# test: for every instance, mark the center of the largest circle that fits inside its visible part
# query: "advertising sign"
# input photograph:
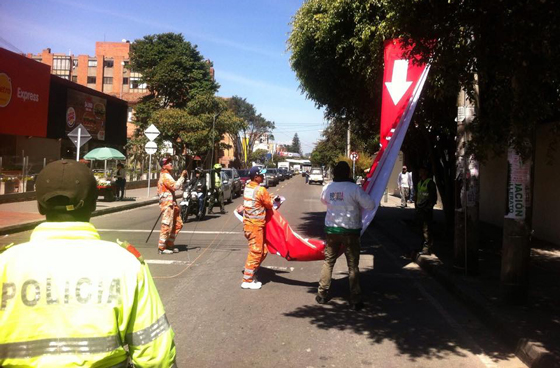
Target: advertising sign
(88, 110)
(519, 190)
(24, 95)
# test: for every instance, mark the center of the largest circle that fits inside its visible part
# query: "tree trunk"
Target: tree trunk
(516, 247)
(467, 190)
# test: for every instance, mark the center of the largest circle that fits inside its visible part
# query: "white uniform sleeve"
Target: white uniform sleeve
(365, 201)
(324, 195)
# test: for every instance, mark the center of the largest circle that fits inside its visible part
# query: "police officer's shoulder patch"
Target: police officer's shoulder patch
(129, 247)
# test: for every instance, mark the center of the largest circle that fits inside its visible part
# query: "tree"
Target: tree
(254, 125)
(258, 155)
(173, 69)
(295, 147)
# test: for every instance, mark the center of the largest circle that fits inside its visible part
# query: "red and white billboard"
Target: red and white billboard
(24, 95)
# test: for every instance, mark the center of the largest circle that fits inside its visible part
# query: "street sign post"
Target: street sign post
(151, 133)
(79, 136)
(151, 148)
(354, 156)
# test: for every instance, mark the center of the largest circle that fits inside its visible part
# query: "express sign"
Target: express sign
(24, 95)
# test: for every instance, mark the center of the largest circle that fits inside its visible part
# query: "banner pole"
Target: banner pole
(78, 146)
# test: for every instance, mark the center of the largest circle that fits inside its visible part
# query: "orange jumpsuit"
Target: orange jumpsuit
(256, 200)
(171, 222)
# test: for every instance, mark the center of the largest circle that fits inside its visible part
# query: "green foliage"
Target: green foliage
(174, 70)
(295, 147)
(258, 155)
(253, 126)
(363, 163)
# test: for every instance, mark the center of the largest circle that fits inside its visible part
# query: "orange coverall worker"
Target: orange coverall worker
(256, 200)
(70, 299)
(171, 222)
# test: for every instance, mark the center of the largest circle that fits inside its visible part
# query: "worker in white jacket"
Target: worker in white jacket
(343, 224)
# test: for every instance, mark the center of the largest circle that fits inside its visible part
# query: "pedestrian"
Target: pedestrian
(256, 201)
(171, 222)
(72, 299)
(343, 224)
(218, 194)
(426, 198)
(404, 183)
(121, 181)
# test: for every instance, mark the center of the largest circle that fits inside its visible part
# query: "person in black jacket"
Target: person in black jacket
(425, 200)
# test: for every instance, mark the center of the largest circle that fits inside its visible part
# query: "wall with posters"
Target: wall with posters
(24, 95)
(546, 202)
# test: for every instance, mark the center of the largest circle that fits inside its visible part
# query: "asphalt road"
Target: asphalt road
(408, 321)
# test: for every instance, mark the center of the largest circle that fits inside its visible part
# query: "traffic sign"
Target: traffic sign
(79, 136)
(151, 148)
(354, 156)
(151, 133)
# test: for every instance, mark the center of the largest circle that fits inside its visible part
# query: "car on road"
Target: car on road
(243, 177)
(236, 186)
(272, 177)
(316, 176)
(227, 188)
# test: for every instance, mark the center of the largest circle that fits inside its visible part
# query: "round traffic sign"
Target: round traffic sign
(354, 156)
(151, 148)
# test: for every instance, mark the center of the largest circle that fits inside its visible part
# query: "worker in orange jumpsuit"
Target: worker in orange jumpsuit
(171, 222)
(256, 201)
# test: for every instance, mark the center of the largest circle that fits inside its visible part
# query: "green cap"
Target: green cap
(66, 178)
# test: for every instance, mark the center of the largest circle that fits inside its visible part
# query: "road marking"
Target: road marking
(157, 231)
(276, 268)
(165, 262)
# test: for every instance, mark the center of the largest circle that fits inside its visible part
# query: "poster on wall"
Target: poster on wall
(519, 190)
(88, 110)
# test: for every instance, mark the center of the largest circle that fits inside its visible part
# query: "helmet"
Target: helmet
(217, 167)
(255, 170)
(164, 161)
(198, 170)
(69, 179)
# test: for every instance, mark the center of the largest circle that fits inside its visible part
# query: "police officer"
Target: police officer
(218, 193)
(71, 299)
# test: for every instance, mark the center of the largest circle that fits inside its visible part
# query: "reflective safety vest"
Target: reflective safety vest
(256, 201)
(423, 194)
(166, 189)
(217, 180)
(71, 299)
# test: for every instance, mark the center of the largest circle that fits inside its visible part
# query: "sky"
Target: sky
(245, 39)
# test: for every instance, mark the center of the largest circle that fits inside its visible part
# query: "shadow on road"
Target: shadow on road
(312, 225)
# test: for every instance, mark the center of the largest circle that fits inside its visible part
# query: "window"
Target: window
(107, 80)
(92, 63)
(91, 80)
(61, 63)
(74, 63)
(108, 63)
(125, 81)
(75, 78)
(135, 83)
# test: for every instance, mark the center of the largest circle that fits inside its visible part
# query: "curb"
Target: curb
(31, 225)
(528, 351)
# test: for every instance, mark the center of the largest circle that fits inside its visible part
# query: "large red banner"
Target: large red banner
(399, 81)
(24, 95)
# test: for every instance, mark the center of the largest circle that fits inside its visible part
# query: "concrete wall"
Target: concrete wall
(546, 201)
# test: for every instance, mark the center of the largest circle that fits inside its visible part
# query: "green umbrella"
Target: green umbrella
(104, 153)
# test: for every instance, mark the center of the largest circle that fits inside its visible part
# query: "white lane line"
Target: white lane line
(276, 268)
(165, 262)
(157, 231)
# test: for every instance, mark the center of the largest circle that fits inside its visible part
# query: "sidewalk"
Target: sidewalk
(21, 216)
(532, 330)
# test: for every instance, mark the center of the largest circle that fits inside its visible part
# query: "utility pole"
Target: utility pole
(467, 186)
(348, 141)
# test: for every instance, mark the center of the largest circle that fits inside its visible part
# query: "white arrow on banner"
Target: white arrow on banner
(398, 86)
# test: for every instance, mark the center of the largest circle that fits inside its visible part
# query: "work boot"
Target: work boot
(165, 251)
(254, 285)
(319, 299)
(223, 212)
(426, 250)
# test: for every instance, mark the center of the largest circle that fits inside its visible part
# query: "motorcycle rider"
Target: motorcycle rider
(198, 184)
(218, 194)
